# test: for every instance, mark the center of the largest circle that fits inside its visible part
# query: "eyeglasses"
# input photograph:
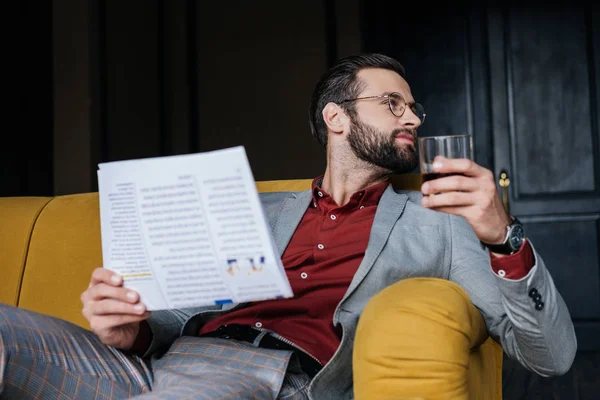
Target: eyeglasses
(397, 104)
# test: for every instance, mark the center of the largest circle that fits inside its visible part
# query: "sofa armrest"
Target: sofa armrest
(422, 337)
(18, 216)
(65, 248)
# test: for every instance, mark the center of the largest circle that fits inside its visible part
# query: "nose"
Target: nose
(410, 119)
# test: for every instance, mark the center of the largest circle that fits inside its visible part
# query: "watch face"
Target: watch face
(517, 236)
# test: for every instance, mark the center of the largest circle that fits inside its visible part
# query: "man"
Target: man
(342, 242)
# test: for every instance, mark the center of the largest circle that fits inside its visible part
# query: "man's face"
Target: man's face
(378, 136)
(381, 148)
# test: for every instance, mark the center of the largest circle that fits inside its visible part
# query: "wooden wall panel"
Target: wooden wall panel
(549, 72)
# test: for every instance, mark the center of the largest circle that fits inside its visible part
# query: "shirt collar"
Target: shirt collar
(365, 197)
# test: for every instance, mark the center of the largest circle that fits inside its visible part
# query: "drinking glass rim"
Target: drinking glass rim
(445, 136)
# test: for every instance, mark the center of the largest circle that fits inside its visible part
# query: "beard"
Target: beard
(380, 148)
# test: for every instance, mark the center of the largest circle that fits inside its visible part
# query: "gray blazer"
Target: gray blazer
(406, 241)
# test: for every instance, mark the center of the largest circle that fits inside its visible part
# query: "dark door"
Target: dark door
(544, 70)
(524, 81)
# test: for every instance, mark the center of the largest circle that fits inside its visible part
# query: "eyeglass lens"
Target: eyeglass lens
(398, 105)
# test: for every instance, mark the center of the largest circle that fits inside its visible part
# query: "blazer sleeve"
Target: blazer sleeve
(535, 330)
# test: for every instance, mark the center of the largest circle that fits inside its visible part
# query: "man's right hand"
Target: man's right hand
(114, 312)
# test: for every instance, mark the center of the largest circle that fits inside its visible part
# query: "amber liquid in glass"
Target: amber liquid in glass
(434, 175)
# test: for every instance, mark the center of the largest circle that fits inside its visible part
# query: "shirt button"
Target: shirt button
(304, 275)
(315, 204)
(258, 324)
(320, 194)
(502, 273)
(320, 246)
(332, 216)
(361, 207)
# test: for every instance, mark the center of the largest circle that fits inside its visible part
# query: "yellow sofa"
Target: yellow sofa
(50, 245)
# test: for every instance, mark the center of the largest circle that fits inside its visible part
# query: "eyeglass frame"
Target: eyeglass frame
(389, 103)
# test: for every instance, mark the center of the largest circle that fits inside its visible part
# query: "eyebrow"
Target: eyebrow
(408, 103)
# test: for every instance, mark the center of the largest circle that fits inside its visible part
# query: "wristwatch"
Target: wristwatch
(515, 236)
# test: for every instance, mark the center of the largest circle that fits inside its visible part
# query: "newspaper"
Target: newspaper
(189, 230)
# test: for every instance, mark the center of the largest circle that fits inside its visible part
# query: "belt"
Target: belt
(246, 333)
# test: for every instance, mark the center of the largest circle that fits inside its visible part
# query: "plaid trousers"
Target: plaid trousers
(43, 357)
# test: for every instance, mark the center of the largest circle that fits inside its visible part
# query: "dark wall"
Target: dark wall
(26, 138)
(256, 80)
(146, 78)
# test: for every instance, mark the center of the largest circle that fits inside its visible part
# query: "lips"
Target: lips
(406, 136)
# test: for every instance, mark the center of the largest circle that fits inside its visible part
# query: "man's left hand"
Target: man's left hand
(470, 193)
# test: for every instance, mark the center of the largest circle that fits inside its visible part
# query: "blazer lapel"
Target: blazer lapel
(292, 211)
(388, 211)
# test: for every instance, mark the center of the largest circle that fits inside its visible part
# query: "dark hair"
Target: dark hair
(339, 83)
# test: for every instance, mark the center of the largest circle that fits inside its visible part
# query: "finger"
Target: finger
(449, 199)
(103, 322)
(105, 276)
(463, 166)
(103, 291)
(460, 211)
(450, 184)
(115, 307)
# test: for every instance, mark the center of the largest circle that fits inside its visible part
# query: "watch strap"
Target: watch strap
(504, 247)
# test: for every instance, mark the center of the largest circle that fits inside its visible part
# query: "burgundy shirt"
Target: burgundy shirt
(320, 261)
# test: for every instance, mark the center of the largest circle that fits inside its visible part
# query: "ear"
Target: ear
(334, 117)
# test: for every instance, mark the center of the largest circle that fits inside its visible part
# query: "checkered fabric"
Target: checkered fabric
(42, 357)
(213, 368)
